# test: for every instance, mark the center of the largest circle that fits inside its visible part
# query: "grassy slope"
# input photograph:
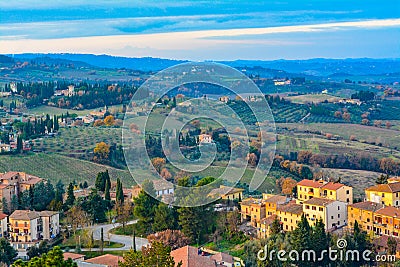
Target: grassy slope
(55, 167)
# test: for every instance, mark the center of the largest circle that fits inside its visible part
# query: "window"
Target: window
(338, 215)
(26, 224)
(347, 192)
(332, 217)
(307, 207)
(314, 208)
(321, 209)
(331, 193)
(383, 194)
(338, 207)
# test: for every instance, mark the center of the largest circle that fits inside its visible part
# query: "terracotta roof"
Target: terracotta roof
(26, 215)
(225, 190)
(389, 188)
(189, 256)
(319, 201)
(277, 199)
(2, 186)
(72, 256)
(367, 205)
(332, 186)
(310, 183)
(8, 175)
(291, 208)
(2, 216)
(222, 257)
(47, 213)
(389, 211)
(268, 220)
(252, 201)
(107, 259)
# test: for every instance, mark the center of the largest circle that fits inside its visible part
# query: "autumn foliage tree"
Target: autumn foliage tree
(288, 185)
(109, 120)
(101, 151)
(172, 238)
(158, 163)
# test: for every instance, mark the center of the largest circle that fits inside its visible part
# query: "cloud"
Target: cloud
(224, 44)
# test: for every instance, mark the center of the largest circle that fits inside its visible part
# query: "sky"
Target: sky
(204, 30)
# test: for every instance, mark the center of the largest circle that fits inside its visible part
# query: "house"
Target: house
(5, 148)
(223, 259)
(28, 227)
(224, 99)
(3, 224)
(387, 221)
(272, 202)
(192, 257)
(163, 187)
(136, 189)
(386, 194)
(73, 256)
(50, 224)
(264, 226)
(227, 193)
(332, 212)
(252, 210)
(25, 226)
(363, 213)
(12, 183)
(289, 215)
(107, 260)
(307, 189)
(205, 139)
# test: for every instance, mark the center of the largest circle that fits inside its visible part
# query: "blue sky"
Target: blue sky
(204, 30)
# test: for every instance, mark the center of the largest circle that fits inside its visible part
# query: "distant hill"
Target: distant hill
(105, 61)
(312, 67)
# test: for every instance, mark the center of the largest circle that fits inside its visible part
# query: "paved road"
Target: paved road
(126, 240)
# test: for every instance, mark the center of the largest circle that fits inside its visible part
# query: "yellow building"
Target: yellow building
(264, 226)
(252, 210)
(386, 194)
(363, 213)
(227, 193)
(387, 221)
(332, 212)
(289, 215)
(272, 202)
(308, 189)
(25, 226)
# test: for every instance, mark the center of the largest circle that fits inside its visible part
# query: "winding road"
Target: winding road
(127, 241)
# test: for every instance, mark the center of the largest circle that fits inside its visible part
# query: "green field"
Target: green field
(56, 167)
(43, 110)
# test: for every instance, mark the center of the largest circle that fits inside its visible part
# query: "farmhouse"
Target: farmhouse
(12, 183)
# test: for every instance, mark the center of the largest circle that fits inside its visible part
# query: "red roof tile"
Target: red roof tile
(332, 186)
(72, 256)
(389, 211)
(107, 259)
(367, 205)
(189, 256)
(310, 183)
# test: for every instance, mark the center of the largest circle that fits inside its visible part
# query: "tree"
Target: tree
(144, 207)
(163, 218)
(288, 185)
(77, 217)
(124, 211)
(7, 252)
(107, 196)
(157, 254)
(252, 159)
(301, 238)
(101, 239)
(35, 251)
(95, 207)
(13, 203)
(19, 144)
(119, 194)
(382, 179)
(194, 221)
(101, 151)
(158, 163)
(70, 195)
(53, 258)
(275, 226)
(172, 238)
(392, 245)
(5, 206)
(165, 174)
(319, 241)
(101, 179)
(109, 120)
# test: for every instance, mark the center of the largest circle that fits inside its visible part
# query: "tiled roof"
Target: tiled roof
(332, 186)
(8, 175)
(222, 257)
(47, 213)
(319, 201)
(367, 205)
(26, 215)
(107, 259)
(2, 216)
(389, 188)
(310, 183)
(268, 220)
(291, 208)
(389, 211)
(189, 256)
(382, 242)
(277, 199)
(72, 256)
